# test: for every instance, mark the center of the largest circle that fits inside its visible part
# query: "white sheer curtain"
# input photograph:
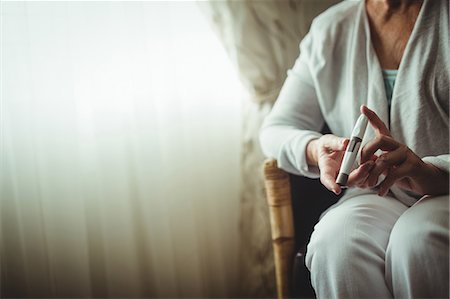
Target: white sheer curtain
(262, 38)
(120, 152)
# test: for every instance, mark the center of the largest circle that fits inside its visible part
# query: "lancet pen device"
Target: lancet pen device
(352, 150)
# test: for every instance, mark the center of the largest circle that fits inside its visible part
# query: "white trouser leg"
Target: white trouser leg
(417, 257)
(346, 252)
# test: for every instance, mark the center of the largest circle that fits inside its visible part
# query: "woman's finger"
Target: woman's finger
(382, 142)
(394, 174)
(379, 168)
(363, 184)
(359, 175)
(328, 175)
(375, 121)
(334, 143)
(395, 157)
(337, 155)
(328, 180)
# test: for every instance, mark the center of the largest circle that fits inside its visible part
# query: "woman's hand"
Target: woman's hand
(400, 165)
(327, 153)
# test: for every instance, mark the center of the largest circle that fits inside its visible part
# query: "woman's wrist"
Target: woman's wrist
(436, 180)
(311, 152)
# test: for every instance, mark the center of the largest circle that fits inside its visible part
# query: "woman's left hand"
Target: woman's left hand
(400, 165)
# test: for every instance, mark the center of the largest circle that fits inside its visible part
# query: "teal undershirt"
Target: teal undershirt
(389, 77)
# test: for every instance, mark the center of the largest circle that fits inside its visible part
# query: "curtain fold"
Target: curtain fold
(120, 152)
(262, 39)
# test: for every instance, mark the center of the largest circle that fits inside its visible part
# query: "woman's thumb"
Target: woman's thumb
(336, 143)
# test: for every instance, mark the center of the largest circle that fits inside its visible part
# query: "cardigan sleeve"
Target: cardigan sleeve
(295, 119)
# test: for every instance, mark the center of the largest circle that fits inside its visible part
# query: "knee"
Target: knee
(336, 242)
(422, 229)
(417, 254)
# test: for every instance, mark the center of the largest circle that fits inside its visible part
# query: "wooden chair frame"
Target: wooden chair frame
(292, 222)
(278, 192)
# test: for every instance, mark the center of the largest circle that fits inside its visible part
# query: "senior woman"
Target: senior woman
(388, 236)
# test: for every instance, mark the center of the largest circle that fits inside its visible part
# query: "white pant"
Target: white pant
(376, 247)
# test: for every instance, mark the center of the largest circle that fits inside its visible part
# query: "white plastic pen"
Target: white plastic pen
(352, 150)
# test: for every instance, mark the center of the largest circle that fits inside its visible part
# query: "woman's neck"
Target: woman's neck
(391, 24)
(386, 8)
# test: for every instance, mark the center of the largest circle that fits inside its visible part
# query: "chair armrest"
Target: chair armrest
(278, 193)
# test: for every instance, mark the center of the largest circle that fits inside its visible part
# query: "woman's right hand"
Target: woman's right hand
(327, 153)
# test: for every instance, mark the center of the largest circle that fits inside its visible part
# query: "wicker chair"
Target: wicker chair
(295, 205)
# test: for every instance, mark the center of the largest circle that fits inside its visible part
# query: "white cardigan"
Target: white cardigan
(338, 71)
